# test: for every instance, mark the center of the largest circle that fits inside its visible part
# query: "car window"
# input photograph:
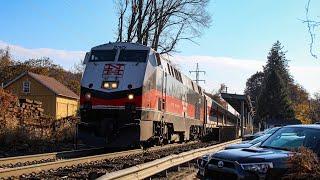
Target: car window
(259, 139)
(291, 138)
(272, 130)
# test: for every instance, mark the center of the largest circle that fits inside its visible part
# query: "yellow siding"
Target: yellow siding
(37, 92)
(53, 105)
(66, 107)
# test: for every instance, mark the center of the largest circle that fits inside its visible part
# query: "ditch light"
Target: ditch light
(130, 96)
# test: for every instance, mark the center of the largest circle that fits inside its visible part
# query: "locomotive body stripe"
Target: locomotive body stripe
(149, 100)
(145, 101)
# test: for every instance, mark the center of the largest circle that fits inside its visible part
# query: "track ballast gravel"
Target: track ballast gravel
(96, 169)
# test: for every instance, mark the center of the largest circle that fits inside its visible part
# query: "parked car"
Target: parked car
(247, 144)
(250, 137)
(267, 161)
(317, 122)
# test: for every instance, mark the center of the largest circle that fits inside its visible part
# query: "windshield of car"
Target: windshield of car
(271, 131)
(103, 55)
(259, 139)
(290, 138)
(133, 55)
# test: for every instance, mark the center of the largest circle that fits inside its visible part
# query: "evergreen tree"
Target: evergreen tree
(253, 85)
(277, 61)
(274, 101)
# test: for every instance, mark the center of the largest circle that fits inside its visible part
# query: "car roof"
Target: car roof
(314, 126)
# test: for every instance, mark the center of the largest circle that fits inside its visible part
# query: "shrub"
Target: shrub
(304, 164)
(6, 100)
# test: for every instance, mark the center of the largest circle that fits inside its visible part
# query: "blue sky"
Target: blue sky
(241, 30)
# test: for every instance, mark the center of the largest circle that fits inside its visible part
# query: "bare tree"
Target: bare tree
(161, 24)
(312, 26)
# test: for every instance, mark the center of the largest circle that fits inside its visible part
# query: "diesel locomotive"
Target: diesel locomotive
(131, 95)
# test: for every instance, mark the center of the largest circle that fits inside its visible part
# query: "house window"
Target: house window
(26, 86)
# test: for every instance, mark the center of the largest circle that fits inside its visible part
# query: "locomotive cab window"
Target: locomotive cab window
(133, 55)
(103, 55)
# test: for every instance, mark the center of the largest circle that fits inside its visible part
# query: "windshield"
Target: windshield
(259, 139)
(103, 55)
(133, 55)
(290, 138)
(271, 131)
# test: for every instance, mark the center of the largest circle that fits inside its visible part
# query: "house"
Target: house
(57, 100)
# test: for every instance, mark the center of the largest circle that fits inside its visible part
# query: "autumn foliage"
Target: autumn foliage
(6, 99)
(11, 68)
(24, 128)
(304, 164)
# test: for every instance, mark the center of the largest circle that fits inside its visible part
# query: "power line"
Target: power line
(197, 71)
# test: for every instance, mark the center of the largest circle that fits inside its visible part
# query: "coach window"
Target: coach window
(192, 85)
(103, 55)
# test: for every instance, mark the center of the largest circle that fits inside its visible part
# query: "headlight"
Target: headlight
(87, 96)
(109, 85)
(106, 85)
(257, 167)
(114, 85)
(130, 96)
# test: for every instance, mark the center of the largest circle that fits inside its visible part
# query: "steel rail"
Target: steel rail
(18, 171)
(146, 170)
(46, 156)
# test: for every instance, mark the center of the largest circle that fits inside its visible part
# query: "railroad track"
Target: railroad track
(143, 171)
(67, 161)
(18, 161)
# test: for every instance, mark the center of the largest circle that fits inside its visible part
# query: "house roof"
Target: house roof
(49, 82)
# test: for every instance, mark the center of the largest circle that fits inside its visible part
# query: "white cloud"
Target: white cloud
(235, 72)
(231, 71)
(63, 57)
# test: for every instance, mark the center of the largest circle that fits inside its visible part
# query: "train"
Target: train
(131, 95)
